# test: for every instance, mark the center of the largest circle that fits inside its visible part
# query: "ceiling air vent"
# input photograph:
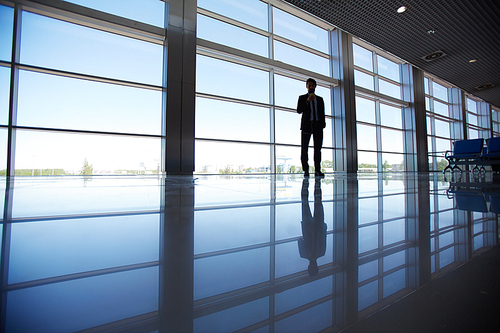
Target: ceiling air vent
(434, 56)
(484, 86)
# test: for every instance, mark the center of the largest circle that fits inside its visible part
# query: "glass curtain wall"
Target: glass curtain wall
(495, 120)
(252, 62)
(443, 127)
(478, 118)
(379, 116)
(82, 88)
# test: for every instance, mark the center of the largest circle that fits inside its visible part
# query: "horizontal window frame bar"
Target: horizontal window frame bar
(87, 132)
(300, 46)
(226, 53)
(381, 97)
(91, 18)
(228, 20)
(87, 77)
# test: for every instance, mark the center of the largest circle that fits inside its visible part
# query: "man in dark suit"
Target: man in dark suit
(312, 108)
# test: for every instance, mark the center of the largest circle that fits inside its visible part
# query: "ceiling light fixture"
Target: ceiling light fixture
(473, 60)
(430, 32)
(401, 9)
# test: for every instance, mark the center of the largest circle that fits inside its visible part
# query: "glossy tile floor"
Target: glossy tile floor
(231, 253)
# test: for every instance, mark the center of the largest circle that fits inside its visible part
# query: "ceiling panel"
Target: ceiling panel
(463, 30)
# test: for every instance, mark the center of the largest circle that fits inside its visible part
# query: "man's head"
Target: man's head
(310, 85)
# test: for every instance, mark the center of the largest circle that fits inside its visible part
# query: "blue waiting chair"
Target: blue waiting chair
(465, 152)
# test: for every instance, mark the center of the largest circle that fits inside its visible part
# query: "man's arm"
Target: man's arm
(302, 104)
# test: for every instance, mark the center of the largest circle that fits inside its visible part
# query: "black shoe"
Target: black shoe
(319, 174)
(306, 174)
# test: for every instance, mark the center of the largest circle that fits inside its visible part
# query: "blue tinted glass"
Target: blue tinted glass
(6, 32)
(300, 31)
(219, 274)
(58, 102)
(4, 94)
(363, 80)
(300, 58)
(365, 110)
(394, 231)
(391, 116)
(231, 121)
(216, 230)
(315, 319)
(234, 318)
(368, 210)
(306, 293)
(223, 78)
(389, 89)
(41, 250)
(394, 282)
(394, 260)
(367, 270)
(251, 12)
(232, 36)
(362, 57)
(440, 91)
(388, 68)
(99, 300)
(446, 257)
(367, 238)
(60, 45)
(367, 295)
(147, 11)
(392, 140)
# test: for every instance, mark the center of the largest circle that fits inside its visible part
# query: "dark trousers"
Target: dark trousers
(317, 133)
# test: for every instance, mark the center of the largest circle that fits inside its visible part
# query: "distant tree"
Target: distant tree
(87, 169)
(366, 165)
(386, 165)
(441, 164)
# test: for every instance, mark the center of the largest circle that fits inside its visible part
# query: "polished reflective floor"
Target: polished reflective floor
(232, 253)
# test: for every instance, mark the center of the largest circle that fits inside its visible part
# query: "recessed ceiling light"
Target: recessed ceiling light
(473, 60)
(430, 32)
(401, 9)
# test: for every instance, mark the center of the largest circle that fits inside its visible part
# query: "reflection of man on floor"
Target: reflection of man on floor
(313, 242)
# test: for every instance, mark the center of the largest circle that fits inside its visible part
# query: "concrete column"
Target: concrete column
(180, 83)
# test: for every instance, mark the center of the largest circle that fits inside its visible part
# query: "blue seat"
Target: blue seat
(492, 148)
(464, 151)
(474, 202)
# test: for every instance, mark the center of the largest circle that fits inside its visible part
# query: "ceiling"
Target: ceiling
(462, 29)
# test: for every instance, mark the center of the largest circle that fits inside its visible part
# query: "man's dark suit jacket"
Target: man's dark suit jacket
(304, 107)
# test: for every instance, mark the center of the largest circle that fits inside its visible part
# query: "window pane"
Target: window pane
(442, 128)
(392, 140)
(440, 91)
(367, 162)
(287, 127)
(365, 110)
(471, 105)
(367, 138)
(288, 159)
(362, 57)
(222, 157)
(441, 108)
(231, 121)
(58, 102)
(442, 145)
(473, 134)
(4, 94)
(427, 104)
(390, 116)
(300, 58)
(363, 80)
(395, 162)
(300, 31)
(60, 241)
(251, 12)
(3, 152)
(60, 153)
(394, 231)
(388, 68)
(471, 119)
(60, 45)
(224, 78)
(232, 36)
(287, 91)
(6, 31)
(426, 85)
(147, 11)
(367, 238)
(389, 89)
